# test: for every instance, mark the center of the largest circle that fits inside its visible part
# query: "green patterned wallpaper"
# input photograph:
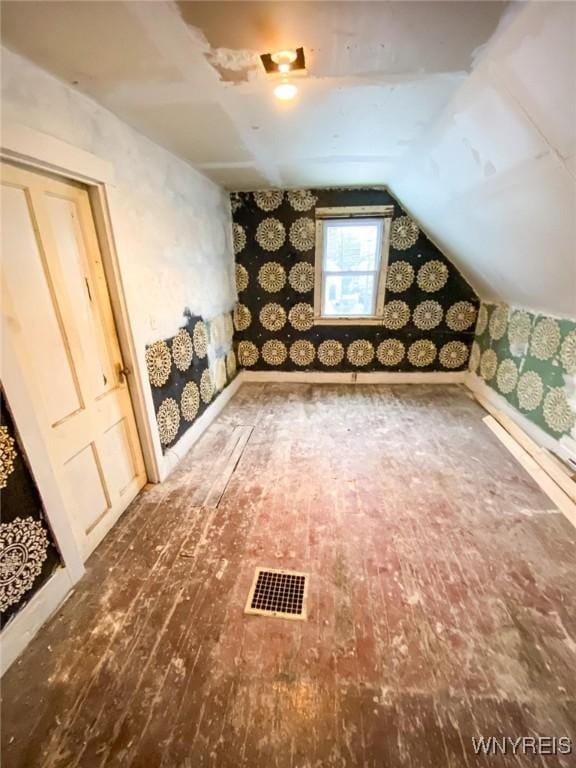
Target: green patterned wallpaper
(530, 360)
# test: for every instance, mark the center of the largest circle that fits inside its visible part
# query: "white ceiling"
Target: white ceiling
(189, 76)
(478, 141)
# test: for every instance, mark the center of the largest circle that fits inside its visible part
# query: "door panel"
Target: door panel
(37, 314)
(60, 313)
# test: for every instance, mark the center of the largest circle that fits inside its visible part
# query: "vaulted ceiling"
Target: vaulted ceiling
(465, 109)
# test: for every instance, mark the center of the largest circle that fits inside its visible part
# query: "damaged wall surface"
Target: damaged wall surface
(494, 179)
(29, 553)
(188, 371)
(171, 224)
(429, 311)
(530, 360)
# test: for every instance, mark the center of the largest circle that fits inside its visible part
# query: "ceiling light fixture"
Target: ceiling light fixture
(284, 59)
(285, 91)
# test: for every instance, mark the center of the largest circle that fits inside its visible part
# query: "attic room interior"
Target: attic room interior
(288, 384)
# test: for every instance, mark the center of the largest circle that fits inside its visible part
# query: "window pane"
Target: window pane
(350, 248)
(348, 295)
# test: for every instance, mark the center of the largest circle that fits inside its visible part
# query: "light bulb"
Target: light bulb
(285, 91)
(283, 67)
(284, 57)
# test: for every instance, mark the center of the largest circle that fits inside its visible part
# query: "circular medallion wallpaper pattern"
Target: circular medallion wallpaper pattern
(302, 352)
(529, 390)
(568, 352)
(24, 547)
(242, 317)
(519, 328)
(272, 276)
(270, 234)
(242, 278)
(247, 354)
(422, 353)
(498, 322)
(206, 386)
(482, 322)
(274, 352)
(390, 352)
(301, 277)
(461, 316)
(168, 419)
(545, 338)
(396, 314)
(276, 222)
(273, 317)
(301, 317)
(427, 315)
(182, 350)
(507, 376)
(7, 456)
(432, 276)
(238, 238)
(200, 336)
(303, 233)
(190, 401)
(400, 276)
(302, 199)
(557, 412)
(330, 352)
(360, 352)
(159, 363)
(488, 364)
(404, 233)
(453, 354)
(269, 199)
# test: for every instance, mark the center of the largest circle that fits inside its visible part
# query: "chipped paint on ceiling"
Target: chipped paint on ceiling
(188, 75)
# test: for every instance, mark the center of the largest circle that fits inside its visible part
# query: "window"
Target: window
(351, 259)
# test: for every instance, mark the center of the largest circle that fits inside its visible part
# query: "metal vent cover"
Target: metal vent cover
(277, 592)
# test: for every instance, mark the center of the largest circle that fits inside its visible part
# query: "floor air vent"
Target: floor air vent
(278, 593)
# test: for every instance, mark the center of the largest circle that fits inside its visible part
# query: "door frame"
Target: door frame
(38, 151)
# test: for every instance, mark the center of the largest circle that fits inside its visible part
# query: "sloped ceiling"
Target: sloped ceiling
(475, 137)
(188, 74)
(494, 180)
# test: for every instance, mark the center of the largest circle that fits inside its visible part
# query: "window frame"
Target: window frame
(369, 212)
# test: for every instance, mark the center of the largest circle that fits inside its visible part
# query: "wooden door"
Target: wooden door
(57, 309)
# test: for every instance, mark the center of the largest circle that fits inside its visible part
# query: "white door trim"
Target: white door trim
(36, 150)
(40, 151)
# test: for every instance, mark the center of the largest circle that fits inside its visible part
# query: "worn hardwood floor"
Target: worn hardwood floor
(441, 605)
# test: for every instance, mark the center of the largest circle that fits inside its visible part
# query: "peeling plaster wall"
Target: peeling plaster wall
(171, 224)
(530, 361)
(494, 180)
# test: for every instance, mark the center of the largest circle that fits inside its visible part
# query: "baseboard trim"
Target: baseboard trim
(535, 469)
(23, 627)
(176, 453)
(565, 448)
(371, 377)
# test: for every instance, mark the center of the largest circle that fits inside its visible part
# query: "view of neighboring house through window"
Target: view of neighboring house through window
(353, 265)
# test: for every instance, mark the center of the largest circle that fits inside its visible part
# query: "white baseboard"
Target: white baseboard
(176, 453)
(353, 377)
(20, 631)
(565, 448)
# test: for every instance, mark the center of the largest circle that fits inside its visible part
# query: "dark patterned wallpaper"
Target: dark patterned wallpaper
(429, 313)
(183, 381)
(530, 360)
(28, 555)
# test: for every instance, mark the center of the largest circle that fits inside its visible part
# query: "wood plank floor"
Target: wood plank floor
(441, 602)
